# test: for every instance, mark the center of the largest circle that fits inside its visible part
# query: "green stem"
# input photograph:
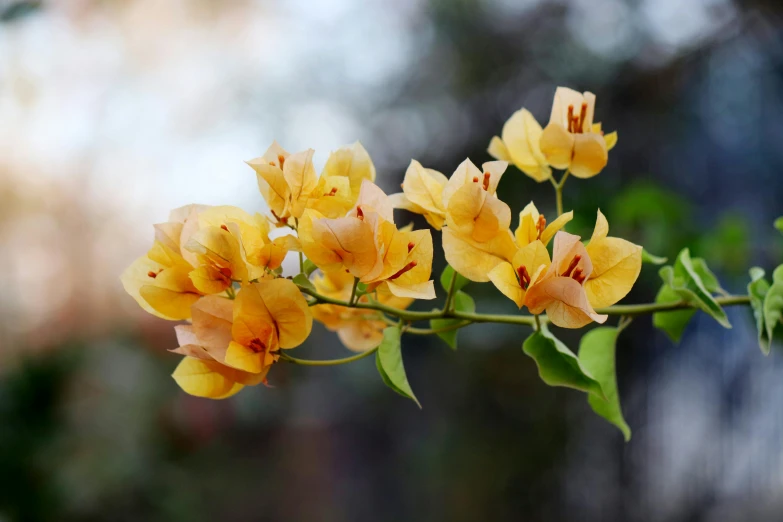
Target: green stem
(301, 263)
(450, 294)
(407, 315)
(352, 301)
(559, 191)
(326, 362)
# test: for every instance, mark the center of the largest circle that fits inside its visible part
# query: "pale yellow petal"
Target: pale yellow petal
(494, 217)
(522, 136)
(590, 155)
(475, 260)
(557, 145)
(611, 140)
(360, 336)
(138, 275)
(564, 300)
(498, 150)
(300, 175)
(333, 197)
(350, 240)
(243, 358)
(465, 173)
(371, 197)
(504, 277)
(495, 169)
(212, 323)
(616, 266)
(423, 290)
(555, 226)
(169, 304)
(353, 162)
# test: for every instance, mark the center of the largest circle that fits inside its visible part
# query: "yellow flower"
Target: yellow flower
(533, 226)
(368, 245)
(359, 330)
(578, 279)
(289, 184)
(159, 281)
(571, 140)
(235, 343)
(519, 144)
(422, 194)
(477, 235)
(616, 266)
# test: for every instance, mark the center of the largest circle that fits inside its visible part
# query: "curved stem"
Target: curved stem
(326, 362)
(650, 308)
(352, 300)
(450, 294)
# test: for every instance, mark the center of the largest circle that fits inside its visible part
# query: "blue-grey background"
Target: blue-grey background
(111, 113)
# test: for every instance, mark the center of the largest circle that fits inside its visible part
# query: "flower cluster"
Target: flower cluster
(218, 269)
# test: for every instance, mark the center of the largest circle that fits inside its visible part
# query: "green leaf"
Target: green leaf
(779, 224)
(757, 290)
(462, 303)
(557, 365)
(597, 355)
(652, 259)
(388, 360)
(673, 323)
(445, 279)
(773, 303)
(302, 281)
(685, 280)
(309, 267)
(707, 277)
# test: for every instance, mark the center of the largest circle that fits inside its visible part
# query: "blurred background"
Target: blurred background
(114, 112)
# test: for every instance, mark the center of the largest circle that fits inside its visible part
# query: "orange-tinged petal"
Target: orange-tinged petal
(372, 198)
(313, 245)
(494, 217)
(566, 248)
(557, 145)
(360, 336)
(527, 231)
(532, 257)
(168, 234)
(252, 319)
(590, 155)
(212, 323)
(333, 197)
(351, 240)
(271, 181)
(301, 178)
(423, 189)
(288, 309)
(564, 300)
(353, 162)
(136, 276)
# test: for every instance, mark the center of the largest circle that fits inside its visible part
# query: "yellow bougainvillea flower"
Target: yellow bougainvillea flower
(422, 194)
(616, 266)
(368, 245)
(571, 140)
(477, 236)
(359, 330)
(159, 281)
(289, 184)
(235, 343)
(533, 226)
(519, 144)
(559, 289)
(578, 280)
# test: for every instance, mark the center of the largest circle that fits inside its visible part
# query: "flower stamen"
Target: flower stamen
(523, 277)
(410, 266)
(574, 262)
(486, 180)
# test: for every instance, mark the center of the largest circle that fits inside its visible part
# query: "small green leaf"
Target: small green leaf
(652, 259)
(773, 303)
(389, 363)
(707, 277)
(757, 290)
(302, 281)
(278, 270)
(597, 355)
(673, 323)
(309, 267)
(361, 289)
(445, 279)
(462, 303)
(557, 365)
(686, 282)
(779, 224)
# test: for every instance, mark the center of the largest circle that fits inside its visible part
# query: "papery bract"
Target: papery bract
(520, 144)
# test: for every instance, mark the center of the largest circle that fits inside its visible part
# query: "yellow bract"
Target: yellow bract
(366, 244)
(289, 184)
(571, 140)
(422, 194)
(576, 281)
(520, 144)
(231, 344)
